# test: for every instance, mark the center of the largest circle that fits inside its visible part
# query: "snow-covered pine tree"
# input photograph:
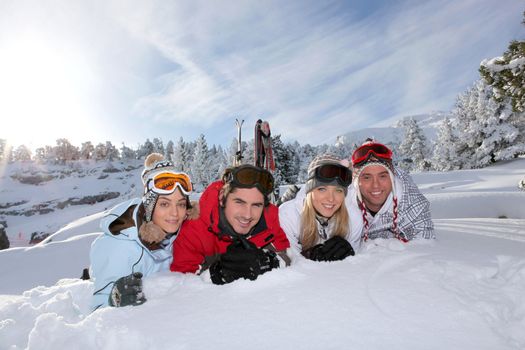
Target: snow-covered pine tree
(87, 150)
(222, 161)
(65, 151)
(180, 156)
(305, 155)
(286, 160)
(201, 164)
(3, 149)
(168, 152)
(496, 133)
(413, 149)
(144, 150)
(506, 76)
(248, 152)
(444, 155)
(22, 154)
(111, 152)
(100, 152)
(40, 155)
(127, 153)
(484, 134)
(158, 145)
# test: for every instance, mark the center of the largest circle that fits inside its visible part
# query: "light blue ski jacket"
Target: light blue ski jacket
(119, 251)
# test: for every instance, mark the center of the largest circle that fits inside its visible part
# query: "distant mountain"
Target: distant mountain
(395, 133)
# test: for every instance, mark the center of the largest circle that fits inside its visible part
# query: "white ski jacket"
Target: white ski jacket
(290, 220)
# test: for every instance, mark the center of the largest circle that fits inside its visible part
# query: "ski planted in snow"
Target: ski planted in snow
(237, 160)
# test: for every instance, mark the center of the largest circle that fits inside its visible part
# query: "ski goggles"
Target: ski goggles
(248, 176)
(364, 152)
(166, 183)
(330, 172)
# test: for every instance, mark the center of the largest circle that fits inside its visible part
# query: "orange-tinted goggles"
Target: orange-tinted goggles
(167, 182)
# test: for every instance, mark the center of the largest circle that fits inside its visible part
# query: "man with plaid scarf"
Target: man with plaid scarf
(390, 202)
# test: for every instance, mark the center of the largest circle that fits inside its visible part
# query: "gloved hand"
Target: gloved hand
(335, 248)
(242, 259)
(127, 290)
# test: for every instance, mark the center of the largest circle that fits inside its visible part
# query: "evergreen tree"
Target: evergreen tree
(305, 155)
(40, 155)
(3, 149)
(506, 76)
(158, 146)
(222, 161)
(168, 153)
(22, 154)
(146, 149)
(286, 162)
(413, 149)
(65, 151)
(100, 152)
(484, 133)
(201, 163)
(111, 152)
(445, 157)
(180, 157)
(127, 153)
(87, 150)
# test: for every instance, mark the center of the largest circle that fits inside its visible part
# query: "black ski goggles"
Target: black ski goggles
(248, 176)
(330, 172)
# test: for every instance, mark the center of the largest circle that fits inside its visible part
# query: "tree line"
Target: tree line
(486, 125)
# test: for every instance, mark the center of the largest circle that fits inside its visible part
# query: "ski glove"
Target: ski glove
(127, 290)
(335, 248)
(242, 259)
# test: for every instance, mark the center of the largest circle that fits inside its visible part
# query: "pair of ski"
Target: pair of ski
(263, 153)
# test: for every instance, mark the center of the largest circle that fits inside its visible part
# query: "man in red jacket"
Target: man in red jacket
(237, 234)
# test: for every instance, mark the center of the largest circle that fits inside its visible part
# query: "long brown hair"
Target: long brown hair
(309, 232)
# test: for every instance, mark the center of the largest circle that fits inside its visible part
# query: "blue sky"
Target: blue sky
(129, 70)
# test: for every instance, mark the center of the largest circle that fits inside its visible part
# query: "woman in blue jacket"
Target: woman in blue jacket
(139, 234)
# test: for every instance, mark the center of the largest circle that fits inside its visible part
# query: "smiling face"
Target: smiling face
(243, 208)
(375, 186)
(170, 211)
(327, 199)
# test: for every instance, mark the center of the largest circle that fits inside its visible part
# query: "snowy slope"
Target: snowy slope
(462, 291)
(394, 132)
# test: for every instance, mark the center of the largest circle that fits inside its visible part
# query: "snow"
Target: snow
(462, 291)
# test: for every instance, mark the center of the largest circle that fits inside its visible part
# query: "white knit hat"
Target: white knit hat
(153, 165)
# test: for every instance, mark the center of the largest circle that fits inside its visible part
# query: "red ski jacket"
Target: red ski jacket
(201, 239)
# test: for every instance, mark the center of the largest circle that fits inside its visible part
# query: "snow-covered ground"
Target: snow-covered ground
(463, 291)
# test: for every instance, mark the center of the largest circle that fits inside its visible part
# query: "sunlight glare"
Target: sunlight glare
(44, 92)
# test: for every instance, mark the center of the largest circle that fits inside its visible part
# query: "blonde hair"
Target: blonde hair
(309, 232)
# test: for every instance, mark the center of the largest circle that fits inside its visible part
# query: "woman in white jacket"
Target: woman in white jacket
(317, 222)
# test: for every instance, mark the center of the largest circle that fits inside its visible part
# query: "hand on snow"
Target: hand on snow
(335, 248)
(242, 260)
(127, 290)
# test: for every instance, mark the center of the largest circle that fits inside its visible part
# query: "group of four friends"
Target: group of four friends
(235, 232)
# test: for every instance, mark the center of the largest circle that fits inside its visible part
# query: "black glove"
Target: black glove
(242, 259)
(335, 248)
(127, 290)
